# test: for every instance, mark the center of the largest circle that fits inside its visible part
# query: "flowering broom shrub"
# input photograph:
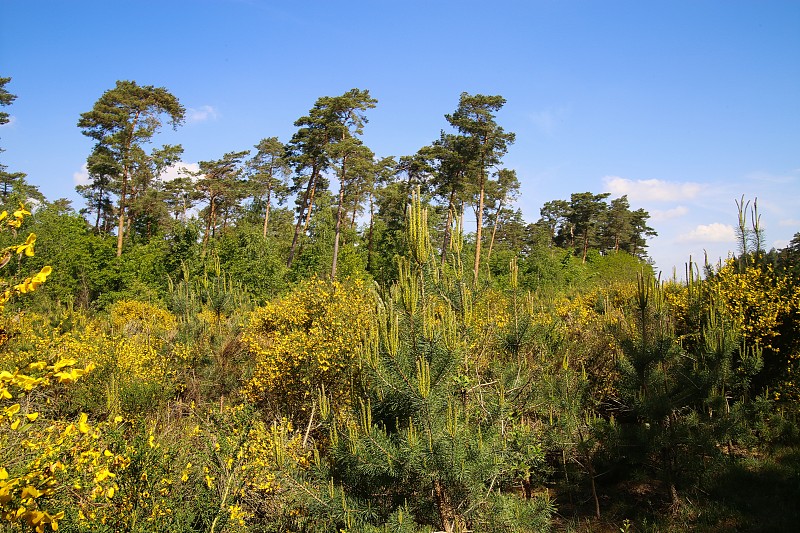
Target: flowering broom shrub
(308, 339)
(138, 365)
(46, 463)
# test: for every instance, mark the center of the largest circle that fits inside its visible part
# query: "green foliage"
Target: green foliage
(253, 261)
(85, 260)
(123, 120)
(143, 393)
(431, 435)
(310, 338)
(5, 99)
(588, 222)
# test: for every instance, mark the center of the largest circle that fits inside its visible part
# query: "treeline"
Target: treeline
(197, 356)
(361, 220)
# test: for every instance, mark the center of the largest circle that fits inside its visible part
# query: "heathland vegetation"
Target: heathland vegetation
(305, 337)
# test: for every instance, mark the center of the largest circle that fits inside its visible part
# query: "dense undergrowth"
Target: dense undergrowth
(598, 398)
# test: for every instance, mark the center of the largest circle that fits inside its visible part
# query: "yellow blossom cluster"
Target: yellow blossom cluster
(15, 221)
(9, 290)
(579, 329)
(134, 317)
(271, 456)
(42, 462)
(268, 449)
(757, 299)
(760, 301)
(132, 354)
(308, 339)
(489, 315)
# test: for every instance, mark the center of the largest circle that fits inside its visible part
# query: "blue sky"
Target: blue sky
(683, 106)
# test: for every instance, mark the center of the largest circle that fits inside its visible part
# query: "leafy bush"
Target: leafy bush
(308, 339)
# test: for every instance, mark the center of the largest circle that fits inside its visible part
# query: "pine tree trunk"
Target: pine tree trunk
(121, 229)
(494, 232)
(300, 217)
(451, 521)
(338, 230)
(310, 204)
(99, 209)
(266, 216)
(585, 245)
(370, 233)
(125, 175)
(478, 232)
(450, 208)
(207, 233)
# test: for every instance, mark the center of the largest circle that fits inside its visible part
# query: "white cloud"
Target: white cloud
(548, 120)
(658, 215)
(654, 190)
(766, 177)
(714, 232)
(178, 169)
(201, 114)
(82, 176)
(791, 222)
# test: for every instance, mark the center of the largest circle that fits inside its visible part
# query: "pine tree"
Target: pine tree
(431, 436)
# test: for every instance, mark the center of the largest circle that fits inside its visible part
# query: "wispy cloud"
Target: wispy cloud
(201, 114)
(658, 215)
(714, 232)
(81, 177)
(790, 222)
(548, 120)
(178, 169)
(766, 177)
(653, 190)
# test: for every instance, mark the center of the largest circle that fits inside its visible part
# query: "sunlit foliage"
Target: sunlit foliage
(308, 339)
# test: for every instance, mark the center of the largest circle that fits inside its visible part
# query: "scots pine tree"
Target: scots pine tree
(433, 438)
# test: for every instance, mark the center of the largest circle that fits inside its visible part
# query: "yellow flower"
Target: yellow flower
(83, 427)
(31, 492)
(27, 247)
(20, 213)
(31, 284)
